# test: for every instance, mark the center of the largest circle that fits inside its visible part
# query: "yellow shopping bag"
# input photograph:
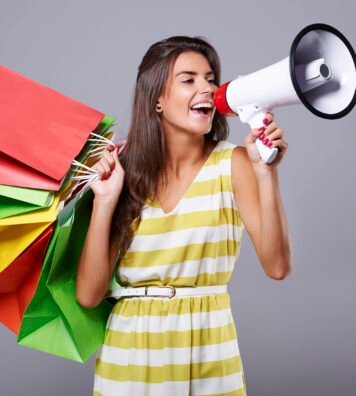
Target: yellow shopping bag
(18, 232)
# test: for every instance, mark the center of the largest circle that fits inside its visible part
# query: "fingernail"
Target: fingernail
(266, 141)
(265, 121)
(261, 129)
(261, 137)
(270, 144)
(111, 147)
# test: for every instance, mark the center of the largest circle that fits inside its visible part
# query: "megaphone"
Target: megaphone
(320, 73)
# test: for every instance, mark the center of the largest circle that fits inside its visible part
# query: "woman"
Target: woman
(172, 210)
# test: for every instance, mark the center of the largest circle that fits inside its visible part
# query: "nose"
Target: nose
(207, 87)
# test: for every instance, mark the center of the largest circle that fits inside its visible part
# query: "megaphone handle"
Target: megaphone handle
(268, 154)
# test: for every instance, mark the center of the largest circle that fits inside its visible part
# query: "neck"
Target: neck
(184, 151)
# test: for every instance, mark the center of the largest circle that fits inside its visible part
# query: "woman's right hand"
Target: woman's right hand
(111, 176)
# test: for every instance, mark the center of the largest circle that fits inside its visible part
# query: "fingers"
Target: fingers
(118, 167)
(269, 118)
(100, 169)
(110, 158)
(105, 165)
(103, 169)
(252, 136)
(121, 142)
(270, 132)
(268, 129)
(280, 143)
(274, 139)
(260, 132)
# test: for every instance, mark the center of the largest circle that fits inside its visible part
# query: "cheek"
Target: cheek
(183, 92)
(176, 114)
(179, 105)
(183, 99)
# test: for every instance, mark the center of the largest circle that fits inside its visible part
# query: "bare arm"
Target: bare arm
(97, 260)
(96, 263)
(258, 198)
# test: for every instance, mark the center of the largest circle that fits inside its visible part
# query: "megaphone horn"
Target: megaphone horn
(320, 73)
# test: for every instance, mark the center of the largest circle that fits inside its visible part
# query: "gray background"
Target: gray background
(296, 336)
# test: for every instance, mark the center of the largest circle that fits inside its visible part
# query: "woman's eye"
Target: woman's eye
(191, 81)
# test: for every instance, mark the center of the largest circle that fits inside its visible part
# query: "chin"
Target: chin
(205, 131)
(202, 129)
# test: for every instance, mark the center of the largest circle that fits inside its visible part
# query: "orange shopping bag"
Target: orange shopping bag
(18, 282)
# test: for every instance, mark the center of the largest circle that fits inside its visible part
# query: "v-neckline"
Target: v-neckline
(158, 205)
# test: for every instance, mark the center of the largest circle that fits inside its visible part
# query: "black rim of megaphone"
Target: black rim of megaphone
(300, 35)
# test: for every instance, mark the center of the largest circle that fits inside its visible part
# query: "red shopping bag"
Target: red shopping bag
(41, 131)
(15, 173)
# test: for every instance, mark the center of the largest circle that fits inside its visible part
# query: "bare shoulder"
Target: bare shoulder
(246, 194)
(239, 153)
(241, 170)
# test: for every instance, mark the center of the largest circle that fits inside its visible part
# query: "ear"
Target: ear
(159, 106)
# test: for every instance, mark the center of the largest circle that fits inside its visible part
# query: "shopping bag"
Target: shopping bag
(19, 281)
(18, 232)
(90, 153)
(17, 200)
(41, 132)
(15, 173)
(54, 321)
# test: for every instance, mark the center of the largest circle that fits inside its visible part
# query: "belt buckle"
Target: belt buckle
(173, 290)
(171, 287)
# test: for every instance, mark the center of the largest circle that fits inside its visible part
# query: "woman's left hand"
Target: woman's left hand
(272, 136)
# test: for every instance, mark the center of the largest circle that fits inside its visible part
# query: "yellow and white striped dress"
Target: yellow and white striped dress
(156, 346)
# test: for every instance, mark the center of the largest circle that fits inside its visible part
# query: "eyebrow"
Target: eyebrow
(192, 73)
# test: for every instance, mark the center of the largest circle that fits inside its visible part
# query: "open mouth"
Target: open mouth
(202, 109)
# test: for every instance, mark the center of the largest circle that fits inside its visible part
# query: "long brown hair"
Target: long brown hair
(143, 157)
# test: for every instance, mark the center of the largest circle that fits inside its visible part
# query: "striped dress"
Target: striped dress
(156, 346)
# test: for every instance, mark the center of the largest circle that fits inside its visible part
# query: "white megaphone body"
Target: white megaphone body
(320, 72)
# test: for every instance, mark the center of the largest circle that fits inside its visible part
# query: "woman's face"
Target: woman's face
(191, 83)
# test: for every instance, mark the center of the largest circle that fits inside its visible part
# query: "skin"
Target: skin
(258, 198)
(184, 130)
(255, 184)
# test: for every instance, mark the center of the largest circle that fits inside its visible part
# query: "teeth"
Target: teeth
(200, 105)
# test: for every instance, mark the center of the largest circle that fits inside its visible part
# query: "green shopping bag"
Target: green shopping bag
(17, 200)
(54, 321)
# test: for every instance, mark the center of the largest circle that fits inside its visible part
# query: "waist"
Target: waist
(167, 291)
